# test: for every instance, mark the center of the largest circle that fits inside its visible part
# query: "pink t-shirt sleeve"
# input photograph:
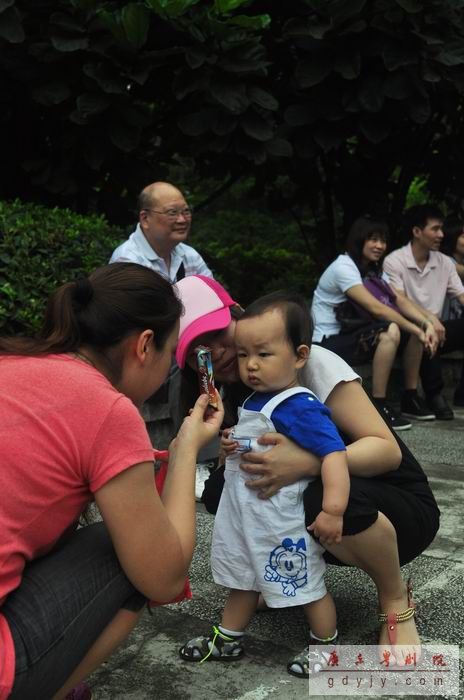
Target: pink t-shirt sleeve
(121, 442)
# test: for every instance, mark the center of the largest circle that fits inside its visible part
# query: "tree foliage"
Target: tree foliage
(347, 100)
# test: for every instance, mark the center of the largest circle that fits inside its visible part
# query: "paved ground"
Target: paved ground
(148, 666)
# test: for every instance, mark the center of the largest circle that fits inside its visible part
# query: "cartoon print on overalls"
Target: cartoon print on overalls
(287, 566)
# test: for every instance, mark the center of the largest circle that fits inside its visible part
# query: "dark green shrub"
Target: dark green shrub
(250, 250)
(254, 252)
(40, 249)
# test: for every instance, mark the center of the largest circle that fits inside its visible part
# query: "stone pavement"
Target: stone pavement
(148, 665)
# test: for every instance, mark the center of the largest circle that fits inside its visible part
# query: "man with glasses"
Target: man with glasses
(158, 241)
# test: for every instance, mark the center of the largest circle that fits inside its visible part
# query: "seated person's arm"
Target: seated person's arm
(420, 317)
(380, 311)
(434, 320)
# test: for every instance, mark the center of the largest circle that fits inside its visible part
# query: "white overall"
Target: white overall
(262, 545)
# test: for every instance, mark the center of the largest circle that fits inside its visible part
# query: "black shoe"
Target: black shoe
(391, 416)
(440, 406)
(414, 406)
(458, 401)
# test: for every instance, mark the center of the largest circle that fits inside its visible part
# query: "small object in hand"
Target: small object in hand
(243, 443)
(205, 374)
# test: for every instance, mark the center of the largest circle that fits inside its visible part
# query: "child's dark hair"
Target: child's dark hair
(295, 311)
(362, 229)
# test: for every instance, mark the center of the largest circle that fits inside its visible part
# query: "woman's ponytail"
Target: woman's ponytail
(101, 310)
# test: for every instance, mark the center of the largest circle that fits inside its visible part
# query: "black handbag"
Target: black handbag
(351, 317)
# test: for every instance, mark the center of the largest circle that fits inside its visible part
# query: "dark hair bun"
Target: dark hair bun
(83, 292)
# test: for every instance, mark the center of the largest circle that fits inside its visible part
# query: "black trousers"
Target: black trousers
(431, 368)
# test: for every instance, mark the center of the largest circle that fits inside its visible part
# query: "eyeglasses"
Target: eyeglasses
(174, 213)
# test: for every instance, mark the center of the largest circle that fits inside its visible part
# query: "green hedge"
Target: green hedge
(249, 250)
(40, 249)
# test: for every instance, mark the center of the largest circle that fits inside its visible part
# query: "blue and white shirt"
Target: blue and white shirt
(304, 419)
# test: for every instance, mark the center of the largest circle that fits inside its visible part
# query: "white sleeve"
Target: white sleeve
(324, 370)
(202, 268)
(346, 273)
(124, 253)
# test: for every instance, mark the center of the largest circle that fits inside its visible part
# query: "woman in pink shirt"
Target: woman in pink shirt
(70, 432)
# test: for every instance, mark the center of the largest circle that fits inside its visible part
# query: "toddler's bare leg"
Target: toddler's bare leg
(239, 609)
(322, 617)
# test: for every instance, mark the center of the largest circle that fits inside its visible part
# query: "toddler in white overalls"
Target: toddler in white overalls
(261, 545)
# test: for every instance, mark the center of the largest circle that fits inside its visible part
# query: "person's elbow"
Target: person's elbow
(163, 586)
(158, 572)
(165, 593)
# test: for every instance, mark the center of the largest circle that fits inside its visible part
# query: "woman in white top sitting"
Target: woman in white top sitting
(382, 325)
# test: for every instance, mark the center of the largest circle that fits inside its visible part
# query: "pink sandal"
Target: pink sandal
(393, 619)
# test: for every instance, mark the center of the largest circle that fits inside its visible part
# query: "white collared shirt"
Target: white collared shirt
(138, 250)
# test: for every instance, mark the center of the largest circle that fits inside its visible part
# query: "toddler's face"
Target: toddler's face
(266, 360)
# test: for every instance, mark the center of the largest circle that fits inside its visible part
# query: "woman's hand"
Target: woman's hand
(284, 464)
(200, 426)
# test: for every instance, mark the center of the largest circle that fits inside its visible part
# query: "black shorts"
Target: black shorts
(64, 602)
(358, 346)
(414, 515)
